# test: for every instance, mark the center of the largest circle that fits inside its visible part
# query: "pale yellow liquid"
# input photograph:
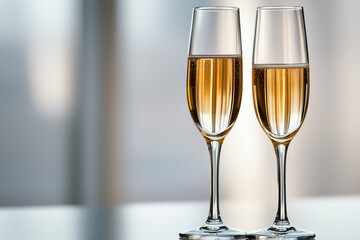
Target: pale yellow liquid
(280, 95)
(214, 89)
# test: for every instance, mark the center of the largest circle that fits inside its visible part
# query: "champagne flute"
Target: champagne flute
(280, 86)
(214, 90)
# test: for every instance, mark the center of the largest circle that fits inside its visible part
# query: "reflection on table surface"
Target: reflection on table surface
(331, 218)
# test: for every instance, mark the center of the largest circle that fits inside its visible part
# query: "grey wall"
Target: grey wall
(161, 155)
(37, 58)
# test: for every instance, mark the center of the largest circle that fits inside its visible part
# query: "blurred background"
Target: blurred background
(93, 106)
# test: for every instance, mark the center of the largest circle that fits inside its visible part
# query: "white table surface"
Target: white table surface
(331, 218)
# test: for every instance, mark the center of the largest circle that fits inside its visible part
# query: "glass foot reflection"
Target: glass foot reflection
(282, 233)
(208, 232)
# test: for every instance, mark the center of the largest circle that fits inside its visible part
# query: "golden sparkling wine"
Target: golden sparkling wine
(280, 94)
(214, 89)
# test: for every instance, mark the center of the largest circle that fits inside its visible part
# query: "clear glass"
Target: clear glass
(214, 89)
(280, 86)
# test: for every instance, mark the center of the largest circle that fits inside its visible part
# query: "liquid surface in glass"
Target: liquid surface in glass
(214, 89)
(280, 95)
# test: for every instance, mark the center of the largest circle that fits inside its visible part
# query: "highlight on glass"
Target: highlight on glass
(214, 90)
(280, 86)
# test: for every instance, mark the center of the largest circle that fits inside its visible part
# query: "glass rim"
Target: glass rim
(279, 8)
(216, 8)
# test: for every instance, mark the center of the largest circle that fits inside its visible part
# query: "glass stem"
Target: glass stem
(214, 212)
(281, 216)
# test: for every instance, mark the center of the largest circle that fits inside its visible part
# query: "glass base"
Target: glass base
(208, 232)
(282, 233)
